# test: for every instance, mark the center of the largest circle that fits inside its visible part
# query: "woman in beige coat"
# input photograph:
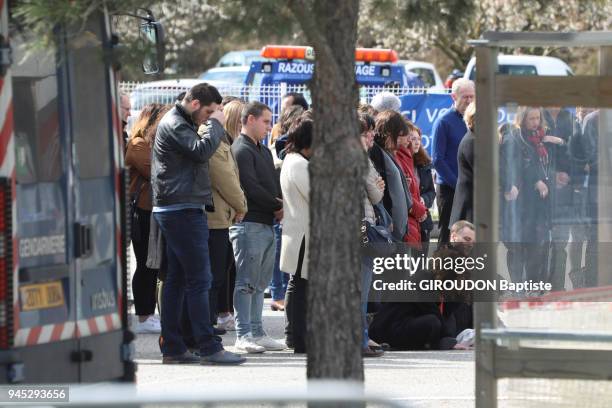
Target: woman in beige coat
(295, 185)
(230, 206)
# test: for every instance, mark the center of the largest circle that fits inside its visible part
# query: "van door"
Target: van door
(96, 186)
(45, 316)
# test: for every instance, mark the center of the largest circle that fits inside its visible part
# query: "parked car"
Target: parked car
(239, 58)
(425, 70)
(524, 65)
(164, 92)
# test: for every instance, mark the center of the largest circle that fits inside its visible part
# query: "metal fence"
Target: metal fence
(166, 92)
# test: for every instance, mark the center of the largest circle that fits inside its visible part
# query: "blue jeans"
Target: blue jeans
(188, 275)
(280, 279)
(366, 282)
(254, 248)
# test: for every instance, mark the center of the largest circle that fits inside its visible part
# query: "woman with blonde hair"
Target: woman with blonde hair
(463, 203)
(232, 111)
(230, 207)
(533, 158)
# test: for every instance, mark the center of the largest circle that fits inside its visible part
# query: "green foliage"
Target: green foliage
(40, 17)
(438, 31)
(198, 32)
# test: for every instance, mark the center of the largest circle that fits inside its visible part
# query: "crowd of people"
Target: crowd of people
(548, 186)
(219, 215)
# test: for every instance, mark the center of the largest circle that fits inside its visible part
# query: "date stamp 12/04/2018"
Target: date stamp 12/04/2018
(34, 393)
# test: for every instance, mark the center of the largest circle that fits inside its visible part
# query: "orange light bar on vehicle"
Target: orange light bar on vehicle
(375, 55)
(287, 52)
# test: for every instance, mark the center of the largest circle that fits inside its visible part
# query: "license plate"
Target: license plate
(42, 296)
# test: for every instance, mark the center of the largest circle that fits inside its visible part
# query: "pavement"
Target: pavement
(417, 379)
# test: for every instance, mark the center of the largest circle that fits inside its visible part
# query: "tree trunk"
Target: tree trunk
(337, 169)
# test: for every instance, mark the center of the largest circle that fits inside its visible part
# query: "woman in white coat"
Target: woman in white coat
(295, 185)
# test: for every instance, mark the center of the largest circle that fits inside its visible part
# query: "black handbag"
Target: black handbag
(379, 235)
(133, 216)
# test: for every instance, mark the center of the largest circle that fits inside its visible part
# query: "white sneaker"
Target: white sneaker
(246, 343)
(269, 343)
(226, 322)
(150, 325)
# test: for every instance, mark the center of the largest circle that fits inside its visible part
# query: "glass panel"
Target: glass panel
(38, 152)
(426, 76)
(518, 70)
(37, 128)
(89, 102)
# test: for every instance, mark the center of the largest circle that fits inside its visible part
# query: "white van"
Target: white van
(524, 65)
(425, 70)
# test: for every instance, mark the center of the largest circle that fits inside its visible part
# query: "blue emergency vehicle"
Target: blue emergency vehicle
(292, 65)
(290, 68)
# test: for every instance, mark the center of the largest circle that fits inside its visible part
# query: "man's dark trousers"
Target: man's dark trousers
(444, 197)
(186, 235)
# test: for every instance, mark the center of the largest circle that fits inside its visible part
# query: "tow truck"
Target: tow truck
(293, 65)
(63, 230)
(289, 68)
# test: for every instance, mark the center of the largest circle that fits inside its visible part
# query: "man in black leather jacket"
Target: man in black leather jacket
(181, 188)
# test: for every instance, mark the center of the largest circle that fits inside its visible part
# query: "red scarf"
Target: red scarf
(535, 138)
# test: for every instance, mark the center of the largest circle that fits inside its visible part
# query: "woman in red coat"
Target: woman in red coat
(418, 212)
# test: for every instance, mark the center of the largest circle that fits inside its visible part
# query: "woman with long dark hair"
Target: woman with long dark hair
(295, 185)
(138, 158)
(374, 187)
(423, 167)
(418, 212)
(390, 126)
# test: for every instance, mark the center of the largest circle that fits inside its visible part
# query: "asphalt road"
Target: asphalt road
(419, 379)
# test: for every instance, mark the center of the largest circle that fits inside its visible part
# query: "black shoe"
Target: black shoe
(219, 332)
(185, 358)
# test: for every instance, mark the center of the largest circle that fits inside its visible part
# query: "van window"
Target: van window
(518, 70)
(511, 70)
(426, 75)
(90, 113)
(36, 121)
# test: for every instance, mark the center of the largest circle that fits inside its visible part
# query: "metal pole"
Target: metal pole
(486, 211)
(604, 199)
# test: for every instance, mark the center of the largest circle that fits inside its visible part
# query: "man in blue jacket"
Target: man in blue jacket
(448, 130)
(181, 190)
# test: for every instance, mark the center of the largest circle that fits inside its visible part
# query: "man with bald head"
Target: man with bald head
(448, 130)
